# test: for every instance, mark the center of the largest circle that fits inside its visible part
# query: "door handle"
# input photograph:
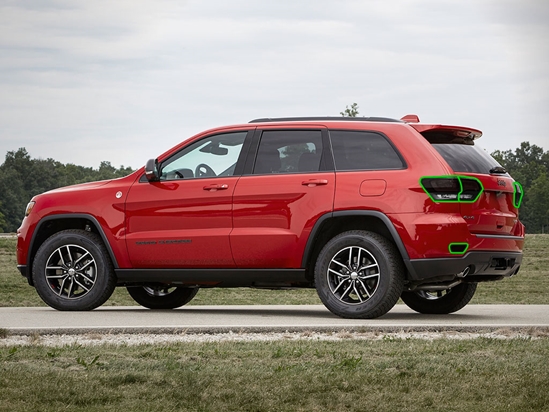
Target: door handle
(216, 187)
(314, 182)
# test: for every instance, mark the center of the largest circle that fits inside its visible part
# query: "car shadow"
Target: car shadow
(320, 312)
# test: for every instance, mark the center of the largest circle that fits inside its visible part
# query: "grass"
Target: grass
(530, 286)
(393, 374)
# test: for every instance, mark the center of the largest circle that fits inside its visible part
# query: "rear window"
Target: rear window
(466, 158)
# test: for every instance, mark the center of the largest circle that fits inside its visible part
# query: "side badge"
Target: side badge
(118, 195)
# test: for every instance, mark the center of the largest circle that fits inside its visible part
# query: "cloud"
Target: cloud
(123, 81)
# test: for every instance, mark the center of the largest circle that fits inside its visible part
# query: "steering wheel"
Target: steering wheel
(203, 170)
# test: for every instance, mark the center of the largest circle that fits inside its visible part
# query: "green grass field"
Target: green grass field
(530, 286)
(350, 375)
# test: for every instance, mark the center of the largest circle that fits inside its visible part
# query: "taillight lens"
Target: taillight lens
(452, 189)
(517, 196)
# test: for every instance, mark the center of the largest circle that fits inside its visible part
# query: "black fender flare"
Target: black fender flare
(372, 213)
(71, 216)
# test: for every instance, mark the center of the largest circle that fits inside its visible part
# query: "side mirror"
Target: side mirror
(151, 170)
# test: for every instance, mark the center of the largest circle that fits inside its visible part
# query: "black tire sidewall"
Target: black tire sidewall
(178, 297)
(390, 281)
(105, 278)
(454, 300)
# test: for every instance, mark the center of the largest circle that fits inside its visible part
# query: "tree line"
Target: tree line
(22, 177)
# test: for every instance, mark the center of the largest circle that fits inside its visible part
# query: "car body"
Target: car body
(366, 210)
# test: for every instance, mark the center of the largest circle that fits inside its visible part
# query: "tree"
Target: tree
(536, 205)
(350, 111)
(21, 178)
(529, 165)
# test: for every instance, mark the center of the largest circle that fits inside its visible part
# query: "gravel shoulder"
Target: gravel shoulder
(132, 339)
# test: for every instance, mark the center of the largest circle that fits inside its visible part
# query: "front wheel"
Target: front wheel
(440, 302)
(359, 275)
(72, 270)
(161, 296)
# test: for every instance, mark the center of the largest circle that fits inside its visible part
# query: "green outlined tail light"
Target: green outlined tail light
(517, 196)
(458, 248)
(452, 189)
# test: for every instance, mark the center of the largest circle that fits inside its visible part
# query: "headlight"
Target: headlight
(29, 208)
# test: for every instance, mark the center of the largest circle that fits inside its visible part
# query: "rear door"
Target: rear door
(287, 188)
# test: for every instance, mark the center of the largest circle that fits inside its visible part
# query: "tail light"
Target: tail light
(450, 189)
(517, 196)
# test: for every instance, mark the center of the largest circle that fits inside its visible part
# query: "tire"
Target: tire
(440, 302)
(359, 275)
(72, 270)
(162, 296)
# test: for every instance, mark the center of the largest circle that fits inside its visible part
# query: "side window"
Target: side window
(289, 151)
(213, 156)
(354, 150)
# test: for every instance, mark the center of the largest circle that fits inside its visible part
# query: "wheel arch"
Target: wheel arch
(50, 225)
(332, 224)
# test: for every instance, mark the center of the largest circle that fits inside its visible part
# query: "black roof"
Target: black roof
(325, 118)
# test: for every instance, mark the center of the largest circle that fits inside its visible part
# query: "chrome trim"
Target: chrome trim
(509, 237)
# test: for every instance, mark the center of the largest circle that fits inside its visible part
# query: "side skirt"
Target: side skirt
(259, 278)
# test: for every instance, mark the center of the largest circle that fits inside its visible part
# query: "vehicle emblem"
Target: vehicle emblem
(502, 183)
(118, 195)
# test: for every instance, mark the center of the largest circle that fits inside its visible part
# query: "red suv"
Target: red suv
(365, 210)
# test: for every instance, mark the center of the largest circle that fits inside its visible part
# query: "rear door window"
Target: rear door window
(289, 151)
(356, 150)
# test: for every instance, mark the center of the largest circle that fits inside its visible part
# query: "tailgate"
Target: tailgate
(495, 211)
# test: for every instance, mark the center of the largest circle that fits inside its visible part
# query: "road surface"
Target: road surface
(271, 318)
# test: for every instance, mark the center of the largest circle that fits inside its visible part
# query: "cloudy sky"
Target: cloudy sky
(123, 81)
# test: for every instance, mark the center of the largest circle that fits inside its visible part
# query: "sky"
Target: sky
(123, 81)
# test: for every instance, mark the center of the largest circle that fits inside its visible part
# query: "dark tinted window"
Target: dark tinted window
(355, 150)
(289, 151)
(466, 158)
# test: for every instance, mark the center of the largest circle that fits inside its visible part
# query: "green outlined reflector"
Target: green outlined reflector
(458, 248)
(517, 195)
(452, 189)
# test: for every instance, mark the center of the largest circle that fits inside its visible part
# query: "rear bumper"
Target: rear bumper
(497, 264)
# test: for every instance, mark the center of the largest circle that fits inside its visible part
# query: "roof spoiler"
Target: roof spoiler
(457, 131)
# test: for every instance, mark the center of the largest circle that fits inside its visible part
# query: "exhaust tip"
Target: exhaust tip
(468, 270)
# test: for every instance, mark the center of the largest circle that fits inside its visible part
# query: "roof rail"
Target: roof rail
(325, 118)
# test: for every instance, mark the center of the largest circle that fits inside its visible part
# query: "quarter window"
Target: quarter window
(354, 150)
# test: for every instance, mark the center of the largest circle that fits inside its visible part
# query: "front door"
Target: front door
(184, 220)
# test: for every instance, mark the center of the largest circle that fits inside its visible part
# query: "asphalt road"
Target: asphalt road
(272, 318)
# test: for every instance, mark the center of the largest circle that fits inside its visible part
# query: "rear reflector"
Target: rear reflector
(450, 189)
(458, 248)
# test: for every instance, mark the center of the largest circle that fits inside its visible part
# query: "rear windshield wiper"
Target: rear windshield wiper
(498, 170)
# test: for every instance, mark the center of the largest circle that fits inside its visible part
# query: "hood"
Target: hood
(81, 186)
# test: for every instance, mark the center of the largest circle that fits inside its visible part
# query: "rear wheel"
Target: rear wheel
(440, 302)
(359, 274)
(161, 296)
